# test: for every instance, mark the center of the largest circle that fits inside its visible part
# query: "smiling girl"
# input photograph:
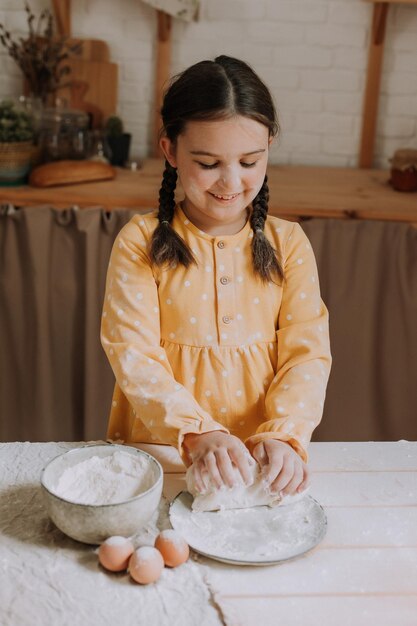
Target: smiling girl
(212, 321)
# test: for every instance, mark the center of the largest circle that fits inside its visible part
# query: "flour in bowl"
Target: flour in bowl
(106, 480)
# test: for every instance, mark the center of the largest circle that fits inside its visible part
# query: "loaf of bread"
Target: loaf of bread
(70, 173)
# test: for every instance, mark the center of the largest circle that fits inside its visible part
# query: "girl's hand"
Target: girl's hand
(213, 455)
(282, 468)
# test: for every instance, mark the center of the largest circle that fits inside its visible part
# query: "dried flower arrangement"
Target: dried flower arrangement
(42, 55)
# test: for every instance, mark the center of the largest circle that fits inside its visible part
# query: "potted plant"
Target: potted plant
(118, 140)
(17, 150)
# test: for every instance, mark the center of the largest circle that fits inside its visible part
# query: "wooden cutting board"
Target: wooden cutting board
(94, 78)
(92, 49)
(93, 88)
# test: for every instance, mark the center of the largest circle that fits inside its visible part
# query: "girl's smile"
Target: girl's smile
(221, 165)
(226, 198)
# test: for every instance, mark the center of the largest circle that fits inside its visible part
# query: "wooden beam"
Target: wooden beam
(163, 64)
(373, 79)
(62, 10)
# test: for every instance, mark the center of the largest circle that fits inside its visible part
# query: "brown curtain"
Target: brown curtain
(368, 277)
(56, 384)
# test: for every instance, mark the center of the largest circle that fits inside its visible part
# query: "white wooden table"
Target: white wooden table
(365, 570)
(363, 573)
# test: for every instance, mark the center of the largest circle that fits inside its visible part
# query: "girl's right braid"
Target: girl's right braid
(166, 245)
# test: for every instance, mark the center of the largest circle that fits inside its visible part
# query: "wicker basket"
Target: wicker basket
(16, 160)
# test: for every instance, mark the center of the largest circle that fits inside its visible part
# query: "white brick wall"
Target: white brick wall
(311, 53)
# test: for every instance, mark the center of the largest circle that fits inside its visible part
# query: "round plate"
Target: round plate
(260, 535)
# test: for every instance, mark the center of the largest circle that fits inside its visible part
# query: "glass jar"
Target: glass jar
(99, 149)
(63, 134)
(404, 170)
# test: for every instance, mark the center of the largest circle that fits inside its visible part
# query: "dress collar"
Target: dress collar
(245, 232)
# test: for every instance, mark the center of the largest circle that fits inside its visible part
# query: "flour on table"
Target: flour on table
(240, 496)
(106, 480)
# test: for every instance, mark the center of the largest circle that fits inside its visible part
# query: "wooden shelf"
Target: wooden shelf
(295, 192)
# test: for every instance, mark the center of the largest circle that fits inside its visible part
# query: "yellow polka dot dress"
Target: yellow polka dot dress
(212, 347)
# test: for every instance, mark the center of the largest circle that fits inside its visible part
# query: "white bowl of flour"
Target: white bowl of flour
(96, 491)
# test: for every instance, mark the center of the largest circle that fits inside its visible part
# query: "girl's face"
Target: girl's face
(221, 165)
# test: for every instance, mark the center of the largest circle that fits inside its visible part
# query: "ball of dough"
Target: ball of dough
(238, 497)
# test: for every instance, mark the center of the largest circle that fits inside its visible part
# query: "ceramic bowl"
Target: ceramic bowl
(93, 523)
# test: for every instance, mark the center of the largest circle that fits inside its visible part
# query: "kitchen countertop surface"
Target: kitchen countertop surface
(363, 572)
(295, 191)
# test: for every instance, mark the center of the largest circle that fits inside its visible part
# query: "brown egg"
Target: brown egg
(146, 565)
(173, 547)
(115, 552)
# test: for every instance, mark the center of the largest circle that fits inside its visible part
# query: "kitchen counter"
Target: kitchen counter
(295, 192)
(363, 572)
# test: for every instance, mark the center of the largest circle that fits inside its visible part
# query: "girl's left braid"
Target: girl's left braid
(167, 194)
(266, 260)
(260, 208)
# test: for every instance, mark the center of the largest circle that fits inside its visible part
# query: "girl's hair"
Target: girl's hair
(212, 90)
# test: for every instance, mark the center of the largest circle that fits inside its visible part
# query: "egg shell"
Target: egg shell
(173, 547)
(146, 565)
(115, 552)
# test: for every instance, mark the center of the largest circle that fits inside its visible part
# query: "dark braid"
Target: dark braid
(166, 245)
(266, 261)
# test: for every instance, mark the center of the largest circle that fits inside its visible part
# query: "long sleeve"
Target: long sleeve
(295, 398)
(131, 338)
